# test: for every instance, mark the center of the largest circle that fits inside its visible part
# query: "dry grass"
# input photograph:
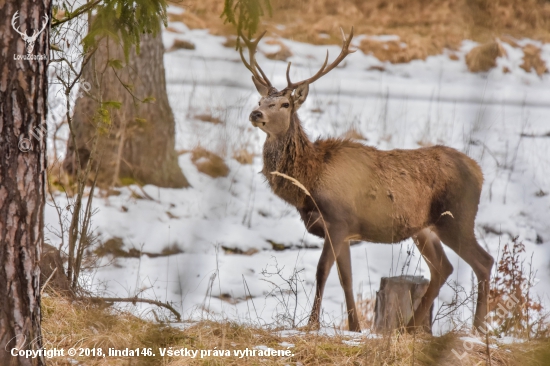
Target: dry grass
(354, 134)
(424, 27)
(243, 156)
(182, 44)
(209, 163)
(365, 311)
(484, 57)
(78, 324)
(532, 60)
(208, 118)
(282, 54)
(68, 324)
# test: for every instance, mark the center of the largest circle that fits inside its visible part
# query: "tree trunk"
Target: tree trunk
(23, 108)
(396, 301)
(139, 144)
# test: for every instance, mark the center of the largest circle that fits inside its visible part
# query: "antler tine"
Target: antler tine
(253, 65)
(324, 69)
(292, 85)
(16, 28)
(46, 18)
(288, 74)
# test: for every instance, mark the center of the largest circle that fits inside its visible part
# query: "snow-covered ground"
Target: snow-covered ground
(436, 101)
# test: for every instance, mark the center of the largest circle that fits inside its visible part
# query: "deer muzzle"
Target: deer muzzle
(256, 118)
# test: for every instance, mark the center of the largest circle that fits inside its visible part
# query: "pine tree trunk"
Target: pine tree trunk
(139, 146)
(23, 107)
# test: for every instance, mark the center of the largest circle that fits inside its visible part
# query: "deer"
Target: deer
(347, 191)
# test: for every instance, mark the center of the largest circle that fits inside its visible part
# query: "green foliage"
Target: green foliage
(116, 64)
(245, 14)
(124, 21)
(113, 104)
(102, 118)
(149, 99)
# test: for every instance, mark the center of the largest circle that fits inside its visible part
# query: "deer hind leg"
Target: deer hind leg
(430, 247)
(334, 241)
(464, 243)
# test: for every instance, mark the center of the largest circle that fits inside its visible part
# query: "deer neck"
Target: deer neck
(294, 155)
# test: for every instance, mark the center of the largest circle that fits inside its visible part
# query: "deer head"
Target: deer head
(275, 108)
(29, 40)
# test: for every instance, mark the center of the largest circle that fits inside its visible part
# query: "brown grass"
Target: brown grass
(425, 27)
(69, 324)
(79, 324)
(354, 134)
(483, 57)
(208, 118)
(182, 44)
(243, 156)
(209, 163)
(282, 54)
(533, 61)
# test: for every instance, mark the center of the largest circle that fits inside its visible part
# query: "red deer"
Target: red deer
(361, 193)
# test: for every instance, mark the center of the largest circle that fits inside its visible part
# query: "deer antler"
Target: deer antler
(24, 34)
(253, 65)
(324, 69)
(15, 16)
(36, 33)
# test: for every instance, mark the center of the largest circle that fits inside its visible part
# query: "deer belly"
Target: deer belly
(385, 226)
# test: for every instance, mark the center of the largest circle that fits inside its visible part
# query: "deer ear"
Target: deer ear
(262, 89)
(300, 95)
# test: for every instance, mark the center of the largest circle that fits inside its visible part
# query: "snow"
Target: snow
(436, 101)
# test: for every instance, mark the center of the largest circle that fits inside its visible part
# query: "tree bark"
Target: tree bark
(23, 110)
(139, 146)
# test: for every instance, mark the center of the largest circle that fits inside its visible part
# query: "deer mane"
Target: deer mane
(295, 155)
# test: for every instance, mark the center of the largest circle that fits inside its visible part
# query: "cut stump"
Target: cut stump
(396, 301)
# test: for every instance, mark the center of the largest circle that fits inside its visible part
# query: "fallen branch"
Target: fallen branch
(547, 134)
(133, 300)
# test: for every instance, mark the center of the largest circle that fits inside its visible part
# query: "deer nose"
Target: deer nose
(255, 115)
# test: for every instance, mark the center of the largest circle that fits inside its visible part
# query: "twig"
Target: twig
(133, 300)
(533, 135)
(76, 13)
(251, 298)
(48, 280)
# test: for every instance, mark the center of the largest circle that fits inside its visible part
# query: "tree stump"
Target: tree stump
(396, 301)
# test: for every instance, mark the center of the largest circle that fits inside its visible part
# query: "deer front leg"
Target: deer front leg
(333, 243)
(344, 271)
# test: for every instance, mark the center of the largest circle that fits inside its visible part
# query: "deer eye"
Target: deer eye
(286, 105)
(259, 104)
